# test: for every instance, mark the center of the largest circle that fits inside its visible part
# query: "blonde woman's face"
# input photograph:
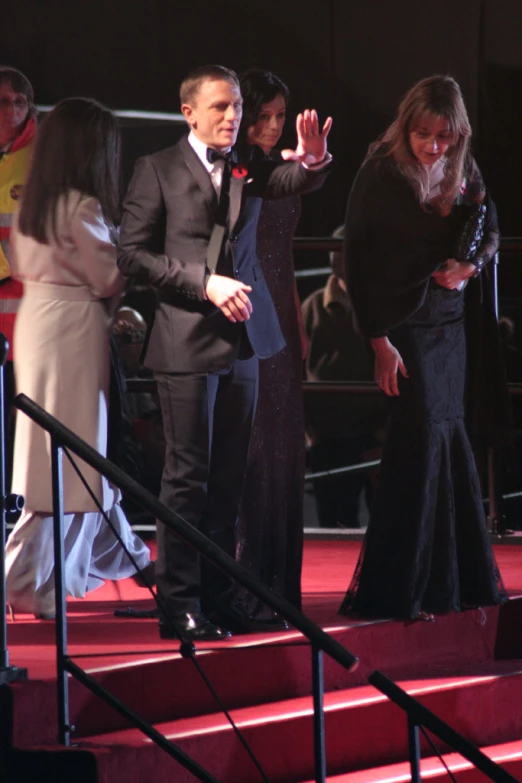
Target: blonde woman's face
(430, 138)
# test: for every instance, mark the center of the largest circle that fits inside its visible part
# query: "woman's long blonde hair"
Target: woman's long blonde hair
(437, 96)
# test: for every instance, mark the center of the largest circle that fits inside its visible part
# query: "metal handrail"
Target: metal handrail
(139, 385)
(186, 532)
(507, 244)
(62, 437)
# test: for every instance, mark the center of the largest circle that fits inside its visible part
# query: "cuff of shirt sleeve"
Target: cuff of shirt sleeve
(479, 263)
(321, 164)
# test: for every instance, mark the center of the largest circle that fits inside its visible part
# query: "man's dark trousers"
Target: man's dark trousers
(207, 424)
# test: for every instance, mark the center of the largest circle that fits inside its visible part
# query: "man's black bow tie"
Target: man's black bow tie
(214, 155)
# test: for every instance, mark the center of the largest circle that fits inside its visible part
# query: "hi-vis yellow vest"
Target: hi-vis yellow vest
(13, 171)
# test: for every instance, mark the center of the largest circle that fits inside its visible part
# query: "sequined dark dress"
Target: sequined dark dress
(270, 532)
(427, 546)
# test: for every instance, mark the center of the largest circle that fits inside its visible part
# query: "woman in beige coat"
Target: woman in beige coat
(64, 252)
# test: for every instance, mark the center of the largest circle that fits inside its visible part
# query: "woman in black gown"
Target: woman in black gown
(270, 532)
(421, 297)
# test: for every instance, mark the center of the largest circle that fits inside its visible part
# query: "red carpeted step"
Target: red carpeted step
(507, 755)
(360, 726)
(363, 729)
(164, 687)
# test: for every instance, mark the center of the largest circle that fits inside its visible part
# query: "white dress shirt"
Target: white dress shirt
(214, 169)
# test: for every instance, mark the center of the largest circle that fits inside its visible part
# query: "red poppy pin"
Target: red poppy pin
(463, 187)
(239, 171)
(16, 192)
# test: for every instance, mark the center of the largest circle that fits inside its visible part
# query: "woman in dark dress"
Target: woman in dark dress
(270, 533)
(420, 294)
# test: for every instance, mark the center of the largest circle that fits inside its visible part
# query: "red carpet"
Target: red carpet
(465, 667)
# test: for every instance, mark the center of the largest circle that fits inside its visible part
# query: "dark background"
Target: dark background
(352, 59)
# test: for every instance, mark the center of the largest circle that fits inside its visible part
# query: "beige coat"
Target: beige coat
(62, 348)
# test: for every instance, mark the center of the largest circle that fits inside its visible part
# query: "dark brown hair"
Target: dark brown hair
(191, 85)
(77, 148)
(257, 88)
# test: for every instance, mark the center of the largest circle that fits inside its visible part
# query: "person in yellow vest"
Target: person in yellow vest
(17, 131)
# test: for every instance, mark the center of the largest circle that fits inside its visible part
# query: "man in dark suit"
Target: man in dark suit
(214, 319)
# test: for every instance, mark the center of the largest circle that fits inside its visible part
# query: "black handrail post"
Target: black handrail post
(494, 282)
(495, 495)
(4, 653)
(494, 492)
(7, 673)
(64, 728)
(414, 749)
(319, 730)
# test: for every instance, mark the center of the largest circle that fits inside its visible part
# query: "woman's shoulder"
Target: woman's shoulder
(381, 166)
(80, 207)
(378, 174)
(78, 213)
(74, 202)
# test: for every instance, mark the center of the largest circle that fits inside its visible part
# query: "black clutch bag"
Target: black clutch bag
(471, 235)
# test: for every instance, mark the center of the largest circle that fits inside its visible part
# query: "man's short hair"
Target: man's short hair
(191, 85)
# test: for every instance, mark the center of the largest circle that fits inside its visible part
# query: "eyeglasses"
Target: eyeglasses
(18, 103)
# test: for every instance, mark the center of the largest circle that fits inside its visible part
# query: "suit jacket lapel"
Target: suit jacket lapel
(236, 190)
(199, 173)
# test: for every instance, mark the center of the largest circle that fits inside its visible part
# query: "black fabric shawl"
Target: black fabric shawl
(392, 246)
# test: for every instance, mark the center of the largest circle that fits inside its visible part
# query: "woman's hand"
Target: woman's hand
(453, 273)
(388, 362)
(311, 140)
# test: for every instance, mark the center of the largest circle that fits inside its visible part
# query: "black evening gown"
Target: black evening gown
(270, 529)
(427, 546)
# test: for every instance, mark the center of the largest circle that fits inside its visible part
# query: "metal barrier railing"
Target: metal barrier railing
(331, 244)
(63, 439)
(137, 385)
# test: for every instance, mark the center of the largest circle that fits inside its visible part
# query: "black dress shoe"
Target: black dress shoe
(273, 623)
(277, 623)
(236, 618)
(194, 626)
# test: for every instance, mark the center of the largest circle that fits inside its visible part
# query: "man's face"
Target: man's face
(215, 113)
(13, 113)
